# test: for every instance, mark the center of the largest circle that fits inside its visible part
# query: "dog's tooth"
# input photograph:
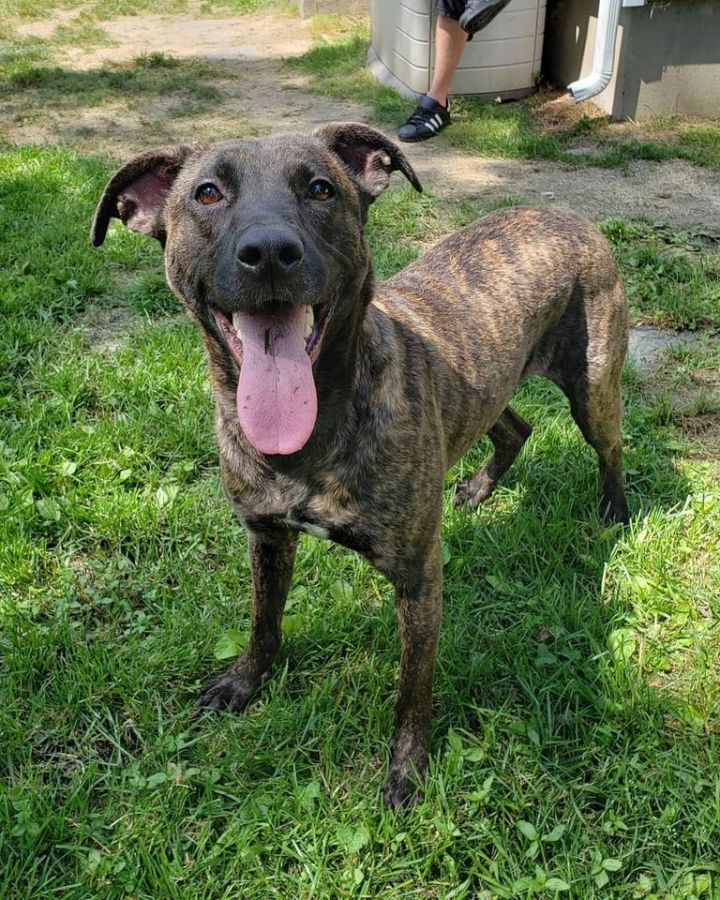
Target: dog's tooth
(236, 320)
(309, 321)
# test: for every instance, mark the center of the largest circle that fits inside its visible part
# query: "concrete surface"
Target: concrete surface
(647, 344)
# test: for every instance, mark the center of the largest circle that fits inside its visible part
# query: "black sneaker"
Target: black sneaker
(429, 118)
(480, 13)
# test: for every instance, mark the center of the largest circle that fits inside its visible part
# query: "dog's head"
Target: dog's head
(264, 244)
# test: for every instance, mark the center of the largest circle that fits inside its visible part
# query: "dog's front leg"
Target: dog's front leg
(271, 563)
(419, 613)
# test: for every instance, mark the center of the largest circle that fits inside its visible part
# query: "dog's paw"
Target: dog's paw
(615, 512)
(230, 691)
(404, 785)
(402, 790)
(474, 490)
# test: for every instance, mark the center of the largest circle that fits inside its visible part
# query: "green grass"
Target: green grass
(336, 67)
(672, 278)
(99, 10)
(575, 735)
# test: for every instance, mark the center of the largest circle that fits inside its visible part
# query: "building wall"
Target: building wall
(667, 58)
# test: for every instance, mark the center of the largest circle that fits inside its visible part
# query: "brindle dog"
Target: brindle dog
(340, 404)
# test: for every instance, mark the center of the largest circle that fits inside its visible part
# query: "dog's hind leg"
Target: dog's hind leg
(597, 409)
(508, 435)
(589, 373)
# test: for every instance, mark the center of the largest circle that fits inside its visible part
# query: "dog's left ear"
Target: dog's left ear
(368, 155)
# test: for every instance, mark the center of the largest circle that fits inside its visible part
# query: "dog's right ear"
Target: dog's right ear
(369, 157)
(136, 193)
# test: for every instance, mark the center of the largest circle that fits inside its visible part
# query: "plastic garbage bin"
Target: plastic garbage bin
(502, 61)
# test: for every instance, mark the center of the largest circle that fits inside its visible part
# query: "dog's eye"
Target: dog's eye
(207, 194)
(321, 190)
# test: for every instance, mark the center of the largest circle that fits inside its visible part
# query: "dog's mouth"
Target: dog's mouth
(275, 351)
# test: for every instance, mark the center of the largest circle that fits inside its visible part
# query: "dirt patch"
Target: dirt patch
(556, 111)
(106, 330)
(675, 193)
(648, 345)
(187, 36)
(46, 28)
(691, 395)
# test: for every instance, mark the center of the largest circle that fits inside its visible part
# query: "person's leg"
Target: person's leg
(450, 42)
(432, 114)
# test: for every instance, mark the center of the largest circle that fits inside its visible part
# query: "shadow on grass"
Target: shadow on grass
(527, 610)
(154, 76)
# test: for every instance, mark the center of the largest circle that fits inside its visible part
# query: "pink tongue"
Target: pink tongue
(276, 397)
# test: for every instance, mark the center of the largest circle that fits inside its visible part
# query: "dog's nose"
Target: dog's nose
(269, 251)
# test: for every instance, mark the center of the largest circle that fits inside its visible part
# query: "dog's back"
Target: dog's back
(522, 291)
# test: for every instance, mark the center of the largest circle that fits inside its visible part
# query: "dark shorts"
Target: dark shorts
(453, 9)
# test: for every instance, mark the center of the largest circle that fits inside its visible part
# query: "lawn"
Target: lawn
(576, 731)
(576, 725)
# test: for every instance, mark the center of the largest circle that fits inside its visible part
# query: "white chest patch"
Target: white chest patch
(317, 531)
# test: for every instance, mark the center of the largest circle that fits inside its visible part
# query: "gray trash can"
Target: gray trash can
(502, 61)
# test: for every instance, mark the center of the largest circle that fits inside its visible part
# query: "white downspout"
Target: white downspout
(604, 57)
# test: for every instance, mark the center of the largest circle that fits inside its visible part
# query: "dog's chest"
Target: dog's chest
(313, 528)
(323, 509)
(344, 530)
(322, 515)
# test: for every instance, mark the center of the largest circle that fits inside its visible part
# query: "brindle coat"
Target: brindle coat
(410, 373)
